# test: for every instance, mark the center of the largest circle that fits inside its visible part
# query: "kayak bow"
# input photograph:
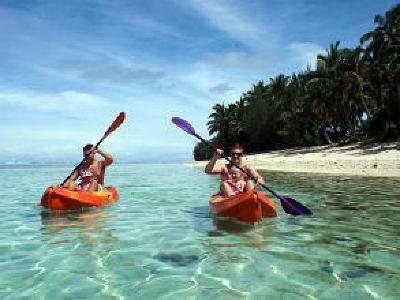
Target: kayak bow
(247, 207)
(58, 198)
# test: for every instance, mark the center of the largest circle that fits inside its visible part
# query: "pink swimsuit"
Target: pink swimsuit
(237, 187)
(85, 176)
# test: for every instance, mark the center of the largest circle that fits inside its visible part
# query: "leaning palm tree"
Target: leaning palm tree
(218, 119)
(225, 122)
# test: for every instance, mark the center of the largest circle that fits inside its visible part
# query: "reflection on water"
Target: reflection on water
(85, 230)
(228, 225)
(161, 240)
(56, 222)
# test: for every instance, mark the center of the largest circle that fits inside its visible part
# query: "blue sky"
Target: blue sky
(69, 67)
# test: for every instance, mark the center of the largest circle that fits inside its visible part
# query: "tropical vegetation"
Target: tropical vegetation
(352, 95)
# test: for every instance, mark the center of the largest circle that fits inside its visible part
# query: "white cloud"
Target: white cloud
(49, 123)
(230, 19)
(65, 103)
(109, 70)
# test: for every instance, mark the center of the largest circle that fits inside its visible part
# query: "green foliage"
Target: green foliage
(202, 151)
(347, 83)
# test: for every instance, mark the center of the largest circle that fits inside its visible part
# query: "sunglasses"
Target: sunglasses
(236, 154)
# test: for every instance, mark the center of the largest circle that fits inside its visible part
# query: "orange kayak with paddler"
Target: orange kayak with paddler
(58, 198)
(249, 207)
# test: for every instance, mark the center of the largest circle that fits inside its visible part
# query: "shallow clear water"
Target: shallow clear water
(160, 241)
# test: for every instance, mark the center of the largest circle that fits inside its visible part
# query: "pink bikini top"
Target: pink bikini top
(237, 187)
(86, 174)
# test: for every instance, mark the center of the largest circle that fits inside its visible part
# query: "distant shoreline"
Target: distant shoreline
(373, 160)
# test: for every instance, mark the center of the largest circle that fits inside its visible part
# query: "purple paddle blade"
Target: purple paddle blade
(184, 125)
(293, 207)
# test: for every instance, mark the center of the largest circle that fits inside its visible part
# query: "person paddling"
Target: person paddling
(228, 172)
(91, 172)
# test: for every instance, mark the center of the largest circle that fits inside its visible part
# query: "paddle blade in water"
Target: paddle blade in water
(184, 125)
(293, 207)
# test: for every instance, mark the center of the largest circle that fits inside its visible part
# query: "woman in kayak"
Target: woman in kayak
(226, 171)
(91, 172)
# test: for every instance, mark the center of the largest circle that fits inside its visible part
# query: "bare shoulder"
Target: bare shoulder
(248, 167)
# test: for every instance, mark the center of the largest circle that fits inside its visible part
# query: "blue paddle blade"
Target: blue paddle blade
(293, 207)
(184, 125)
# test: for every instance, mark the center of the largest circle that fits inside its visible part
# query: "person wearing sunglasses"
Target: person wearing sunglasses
(228, 171)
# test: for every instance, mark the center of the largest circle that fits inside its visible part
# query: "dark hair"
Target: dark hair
(87, 147)
(237, 146)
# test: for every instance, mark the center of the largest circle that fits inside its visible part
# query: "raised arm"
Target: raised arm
(108, 159)
(211, 168)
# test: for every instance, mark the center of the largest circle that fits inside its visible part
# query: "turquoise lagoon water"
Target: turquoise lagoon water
(160, 241)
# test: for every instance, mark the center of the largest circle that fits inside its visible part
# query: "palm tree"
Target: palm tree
(331, 59)
(338, 81)
(286, 111)
(382, 64)
(219, 120)
(227, 122)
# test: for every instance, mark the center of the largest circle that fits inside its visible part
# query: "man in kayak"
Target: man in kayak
(91, 172)
(226, 171)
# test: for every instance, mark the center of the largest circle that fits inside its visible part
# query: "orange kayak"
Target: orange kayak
(58, 198)
(247, 207)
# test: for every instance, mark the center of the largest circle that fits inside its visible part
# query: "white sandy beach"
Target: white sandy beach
(377, 160)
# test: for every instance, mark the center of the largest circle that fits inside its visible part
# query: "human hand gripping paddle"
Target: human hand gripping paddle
(290, 205)
(117, 122)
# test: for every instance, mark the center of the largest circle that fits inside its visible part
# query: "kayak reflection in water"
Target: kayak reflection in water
(91, 172)
(233, 181)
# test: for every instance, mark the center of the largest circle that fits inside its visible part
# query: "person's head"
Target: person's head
(236, 153)
(236, 173)
(87, 153)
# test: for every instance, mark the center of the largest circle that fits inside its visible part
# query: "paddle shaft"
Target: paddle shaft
(237, 166)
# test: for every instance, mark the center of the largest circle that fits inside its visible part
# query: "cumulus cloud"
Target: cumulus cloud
(108, 70)
(68, 103)
(45, 124)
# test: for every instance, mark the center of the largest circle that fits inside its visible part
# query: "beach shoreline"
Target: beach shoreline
(371, 160)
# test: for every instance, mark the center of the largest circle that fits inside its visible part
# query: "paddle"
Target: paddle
(290, 205)
(117, 122)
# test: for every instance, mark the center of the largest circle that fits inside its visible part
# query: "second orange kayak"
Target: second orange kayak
(247, 207)
(58, 198)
